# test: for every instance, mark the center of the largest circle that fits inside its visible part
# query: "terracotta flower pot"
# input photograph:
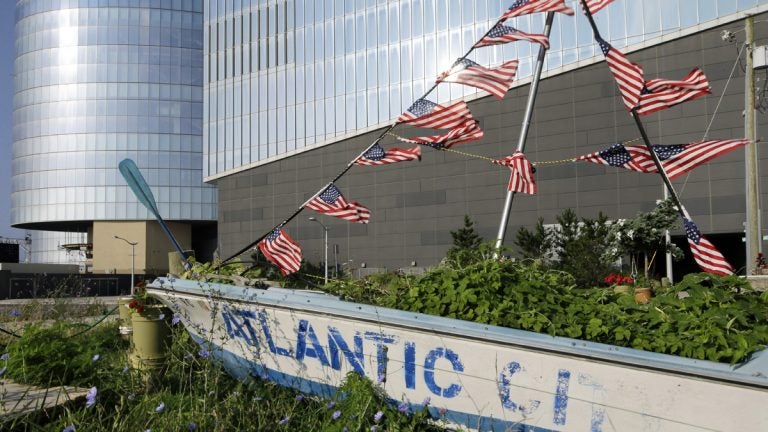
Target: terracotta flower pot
(642, 295)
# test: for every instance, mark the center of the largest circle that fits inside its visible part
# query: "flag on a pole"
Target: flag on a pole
(595, 5)
(660, 94)
(525, 7)
(376, 155)
(628, 75)
(501, 34)
(333, 203)
(470, 131)
(425, 113)
(676, 159)
(705, 253)
(281, 250)
(496, 81)
(521, 176)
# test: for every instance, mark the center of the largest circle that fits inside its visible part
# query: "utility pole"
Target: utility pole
(753, 234)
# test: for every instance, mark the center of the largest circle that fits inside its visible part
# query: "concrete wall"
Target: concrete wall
(415, 205)
(114, 255)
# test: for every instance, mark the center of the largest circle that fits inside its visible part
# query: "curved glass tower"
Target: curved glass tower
(98, 81)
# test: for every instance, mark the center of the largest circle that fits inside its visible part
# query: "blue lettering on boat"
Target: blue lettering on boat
(561, 396)
(429, 374)
(505, 390)
(314, 349)
(337, 345)
(268, 336)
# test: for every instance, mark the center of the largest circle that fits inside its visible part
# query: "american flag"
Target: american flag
(376, 155)
(501, 34)
(628, 75)
(470, 131)
(596, 5)
(524, 7)
(676, 159)
(281, 250)
(660, 94)
(425, 113)
(521, 178)
(333, 203)
(496, 81)
(705, 253)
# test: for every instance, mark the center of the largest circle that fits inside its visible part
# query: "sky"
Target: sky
(6, 116)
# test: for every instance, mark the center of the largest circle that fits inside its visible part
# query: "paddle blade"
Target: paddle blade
(138, 185)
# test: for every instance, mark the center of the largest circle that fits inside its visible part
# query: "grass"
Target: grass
(192, 393)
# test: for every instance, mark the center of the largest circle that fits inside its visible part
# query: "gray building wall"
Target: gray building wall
(415, 205)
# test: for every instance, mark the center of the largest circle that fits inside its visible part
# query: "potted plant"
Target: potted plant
(760, 266)
(151, 332)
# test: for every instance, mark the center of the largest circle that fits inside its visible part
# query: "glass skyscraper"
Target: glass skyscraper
(284, 76)
(294, 89)
(97, 81)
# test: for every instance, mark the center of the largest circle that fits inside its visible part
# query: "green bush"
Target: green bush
(703, 317)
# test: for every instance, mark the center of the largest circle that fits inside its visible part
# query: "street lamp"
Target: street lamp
(325, 231)
(133, 257)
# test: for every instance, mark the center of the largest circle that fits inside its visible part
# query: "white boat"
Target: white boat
(476, 376)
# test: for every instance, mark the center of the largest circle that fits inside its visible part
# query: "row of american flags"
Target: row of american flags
(454, 124)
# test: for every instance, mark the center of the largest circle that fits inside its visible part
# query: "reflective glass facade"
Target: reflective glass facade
(282, 75)
(97, 81)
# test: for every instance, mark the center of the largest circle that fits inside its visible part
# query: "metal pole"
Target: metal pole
(753, 234)
(133, 266)
(668, 241)
(526, 125)
(325, 232)
(325, 263)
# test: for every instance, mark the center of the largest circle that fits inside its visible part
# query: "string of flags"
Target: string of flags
(456, 125)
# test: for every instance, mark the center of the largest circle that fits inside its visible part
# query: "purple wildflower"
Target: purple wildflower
(125, 369)
(442, 411)
(336, 415)
(5, 357)
(192, 426)
(204, 353)
(284, 421)
(257, 398)
(377, 417)
(15, 313)
(162, 316)
(331, 404)
(95, 357)
(176, 319)
(375, 427)
(70, 428)
(403, 407)
(299, 397)
(90, 397)
(160, 408)
(426, 401)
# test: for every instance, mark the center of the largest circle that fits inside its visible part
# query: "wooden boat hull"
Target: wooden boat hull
(477, 376)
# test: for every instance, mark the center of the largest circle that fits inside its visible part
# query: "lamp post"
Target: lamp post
(325, 232)
(133, 257)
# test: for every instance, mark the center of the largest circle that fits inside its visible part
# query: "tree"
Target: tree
(536, 244)
(643, 236)
(466, 243)
(582, 247)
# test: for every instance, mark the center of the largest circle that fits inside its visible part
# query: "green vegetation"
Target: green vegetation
(192, 393)
(703, 317)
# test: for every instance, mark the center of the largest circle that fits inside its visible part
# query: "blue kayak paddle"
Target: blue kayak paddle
(141, 189)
